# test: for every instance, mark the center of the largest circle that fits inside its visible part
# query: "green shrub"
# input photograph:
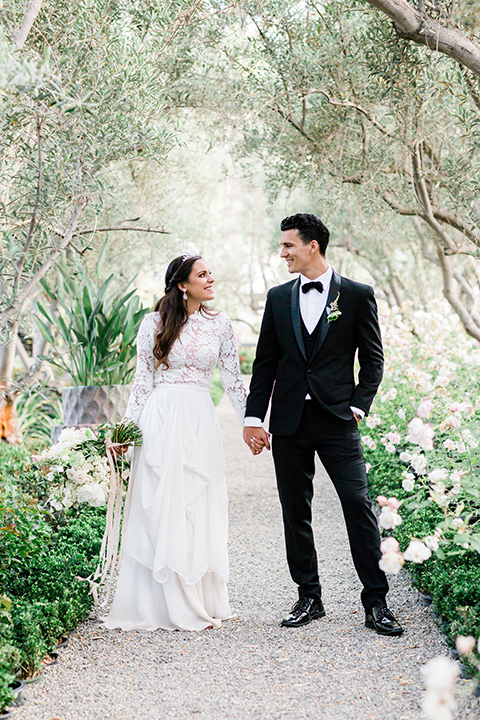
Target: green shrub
(8, 655)
(41, 559)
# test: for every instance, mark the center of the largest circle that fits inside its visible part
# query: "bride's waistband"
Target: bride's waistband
(182, 386)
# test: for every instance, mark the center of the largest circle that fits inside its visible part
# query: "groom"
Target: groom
(312, 328)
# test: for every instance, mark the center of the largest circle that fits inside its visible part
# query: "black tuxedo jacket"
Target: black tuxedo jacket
(281, 362)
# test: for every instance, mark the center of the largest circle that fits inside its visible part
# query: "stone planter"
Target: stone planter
(90, 405)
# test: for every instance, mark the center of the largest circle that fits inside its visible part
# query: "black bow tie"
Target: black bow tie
(316, 284)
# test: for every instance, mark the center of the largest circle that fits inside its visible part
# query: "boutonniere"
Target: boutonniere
(333, 313)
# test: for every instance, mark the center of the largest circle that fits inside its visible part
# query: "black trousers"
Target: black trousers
(337, 443)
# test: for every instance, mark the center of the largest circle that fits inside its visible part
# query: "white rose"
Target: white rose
(465, 644)
(405, 456)
(431, 542)
(424, 409)
(438, 475)
(93, 494)
(391, 562)
(369, 442)
(408, 483)
(389, 519)
(419, 464)
(389, 544)
(417, 552)
(440, 674)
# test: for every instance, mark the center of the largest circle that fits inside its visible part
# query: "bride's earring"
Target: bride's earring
(185, 296)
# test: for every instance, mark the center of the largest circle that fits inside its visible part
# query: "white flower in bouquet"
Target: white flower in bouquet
(459, 524)
(417, 552)
(67, 496)
(449, 445)
(95, 494)
(460, 447)
(78, 476)
(70, 437)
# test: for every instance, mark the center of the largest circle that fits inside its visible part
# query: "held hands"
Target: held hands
(256, 438)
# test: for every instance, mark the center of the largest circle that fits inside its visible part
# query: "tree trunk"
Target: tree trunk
(418, 27)
(9, 424)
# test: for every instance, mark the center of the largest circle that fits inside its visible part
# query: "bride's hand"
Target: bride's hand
(120, 449)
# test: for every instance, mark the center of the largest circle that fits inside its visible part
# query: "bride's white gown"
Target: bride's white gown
(175, 565)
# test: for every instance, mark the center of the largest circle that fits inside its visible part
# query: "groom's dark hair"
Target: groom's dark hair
(309, 227)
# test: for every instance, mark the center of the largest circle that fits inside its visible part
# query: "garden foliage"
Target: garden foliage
(421, 443)
(42, 558)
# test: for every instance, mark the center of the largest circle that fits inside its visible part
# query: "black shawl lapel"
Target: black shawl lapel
(296, 318)
(324, 324)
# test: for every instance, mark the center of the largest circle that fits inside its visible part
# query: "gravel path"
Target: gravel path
(332, 669)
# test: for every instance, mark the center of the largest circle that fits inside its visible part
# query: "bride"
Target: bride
(175, 565)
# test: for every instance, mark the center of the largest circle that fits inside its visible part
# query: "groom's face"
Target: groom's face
(296, 254)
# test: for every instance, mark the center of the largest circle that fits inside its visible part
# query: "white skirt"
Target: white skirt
(174, 570)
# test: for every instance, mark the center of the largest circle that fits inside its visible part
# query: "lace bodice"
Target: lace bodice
(205, 341)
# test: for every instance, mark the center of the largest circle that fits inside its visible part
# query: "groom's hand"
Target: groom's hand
(256, 438)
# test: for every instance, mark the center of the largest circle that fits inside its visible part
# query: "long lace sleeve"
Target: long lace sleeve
(229, 366)
(145, 372)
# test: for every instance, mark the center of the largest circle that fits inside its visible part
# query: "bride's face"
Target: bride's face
(199, 286)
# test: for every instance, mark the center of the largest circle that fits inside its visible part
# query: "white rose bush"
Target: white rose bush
(421, 446)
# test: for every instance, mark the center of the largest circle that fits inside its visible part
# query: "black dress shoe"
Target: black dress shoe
(304, 611)
(382, 621)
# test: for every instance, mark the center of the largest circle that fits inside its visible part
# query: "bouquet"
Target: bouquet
(79, 466)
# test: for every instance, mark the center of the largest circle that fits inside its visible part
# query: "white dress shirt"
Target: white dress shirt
(312, 305)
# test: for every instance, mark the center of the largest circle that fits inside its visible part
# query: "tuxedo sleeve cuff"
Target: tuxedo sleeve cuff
(357, 411)
(252, 422)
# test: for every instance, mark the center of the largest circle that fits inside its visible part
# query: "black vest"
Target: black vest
(309, 340)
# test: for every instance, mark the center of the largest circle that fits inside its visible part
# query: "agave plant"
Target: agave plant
(96, 325)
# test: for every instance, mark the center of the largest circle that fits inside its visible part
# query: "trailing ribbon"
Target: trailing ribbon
(110, 557)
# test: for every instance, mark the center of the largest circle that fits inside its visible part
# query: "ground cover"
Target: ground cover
(42, 556)
(421, 444)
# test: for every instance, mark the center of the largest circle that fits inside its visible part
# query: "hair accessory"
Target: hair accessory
(186, 257)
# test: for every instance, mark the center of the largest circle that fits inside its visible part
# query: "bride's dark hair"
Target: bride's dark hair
(172, 307)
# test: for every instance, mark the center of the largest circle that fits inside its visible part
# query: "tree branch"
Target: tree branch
(114, 228)
(418, 27)
(28, 241)
(19, 300)
(470, 325)
(27, 23)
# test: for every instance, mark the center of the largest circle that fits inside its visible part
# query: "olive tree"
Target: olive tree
(82, 87)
